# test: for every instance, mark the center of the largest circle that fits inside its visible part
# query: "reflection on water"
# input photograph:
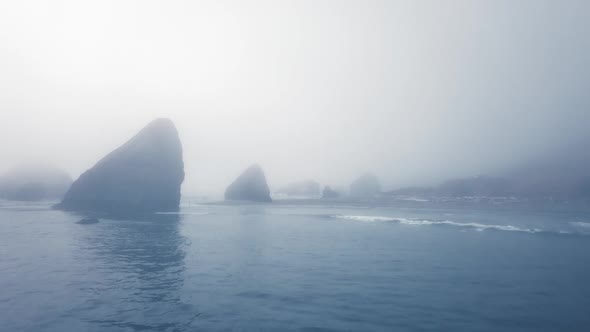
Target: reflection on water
(278, 268)
(138, 271)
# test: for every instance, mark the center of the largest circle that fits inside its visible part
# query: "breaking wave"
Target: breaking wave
(181, 213)
(581, 224)
(581, 227)
(422, 222)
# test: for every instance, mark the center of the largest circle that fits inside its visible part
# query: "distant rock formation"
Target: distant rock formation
(328, 192)
(249, 186)
(143, 175)
(34, 183)
(307, 188)
(521, 186)
(562, 175)
(365, 186)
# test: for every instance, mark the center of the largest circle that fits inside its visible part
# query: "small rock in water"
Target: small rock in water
(88, 221)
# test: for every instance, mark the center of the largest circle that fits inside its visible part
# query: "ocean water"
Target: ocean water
(291, 267)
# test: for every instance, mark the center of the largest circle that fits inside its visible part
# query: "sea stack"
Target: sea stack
(365, 186)
(142, 175)
(34, 182)
(328, 192)
(249, 186)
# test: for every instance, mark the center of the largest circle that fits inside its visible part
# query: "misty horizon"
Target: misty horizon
(294, 165)
(416, 93)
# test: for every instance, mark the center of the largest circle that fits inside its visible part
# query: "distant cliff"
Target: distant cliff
(249, 186)
(34, 183)
(559, 179)
(143, 175)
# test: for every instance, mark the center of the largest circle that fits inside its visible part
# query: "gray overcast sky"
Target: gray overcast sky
(414, 91)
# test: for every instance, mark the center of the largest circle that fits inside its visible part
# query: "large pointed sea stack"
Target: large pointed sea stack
(143, 175)
(249, 186)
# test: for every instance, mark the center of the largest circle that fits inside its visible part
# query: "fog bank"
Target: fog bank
(412, 91)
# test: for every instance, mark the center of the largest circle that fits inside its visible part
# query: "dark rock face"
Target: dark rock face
(34, 183)
(143, 175)
(328, 192)
(308, 188)
(365, 186)
(249, 186)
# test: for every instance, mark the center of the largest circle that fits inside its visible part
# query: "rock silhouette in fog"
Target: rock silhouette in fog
(563, 176)
(249, 186)
(143, 175)
(365, 186)
(328, 192)
(34, 183)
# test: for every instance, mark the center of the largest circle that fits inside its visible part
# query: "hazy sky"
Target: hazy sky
(414, 91)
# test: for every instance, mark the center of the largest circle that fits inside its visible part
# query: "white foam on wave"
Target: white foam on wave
(580, 224)
(364, 218)
(185, 213)
(422, 222)
(415, 199)
(581, 227)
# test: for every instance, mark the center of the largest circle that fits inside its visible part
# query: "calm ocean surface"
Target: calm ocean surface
(295, 268)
